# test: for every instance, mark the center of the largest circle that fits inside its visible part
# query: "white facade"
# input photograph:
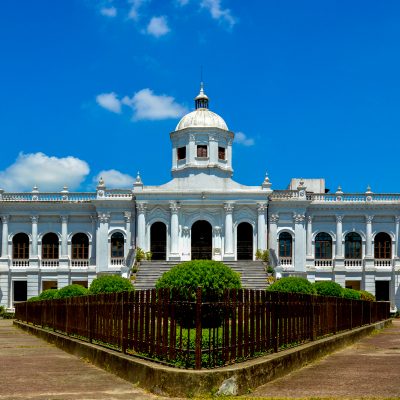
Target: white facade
(352, 239)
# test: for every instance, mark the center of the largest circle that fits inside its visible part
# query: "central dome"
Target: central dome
(202, 117)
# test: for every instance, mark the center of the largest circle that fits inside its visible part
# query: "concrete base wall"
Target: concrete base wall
(171, 381)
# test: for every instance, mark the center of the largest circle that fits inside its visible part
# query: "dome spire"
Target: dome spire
(201, 100)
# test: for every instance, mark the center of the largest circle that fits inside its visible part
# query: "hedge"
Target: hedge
(292, 284)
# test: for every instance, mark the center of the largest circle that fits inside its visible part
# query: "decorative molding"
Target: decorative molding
(185, 230)
(141, 207)
(64, 218)
(298, 217)
(34, 219)
(127, 216)
(309, 219)
(274, 218)
(228, 207)
(397, 219)
(5, 219)
(174, 207)
(104, 217)
(261, 208)
(369, 218)
(217, 230)
(339, 218)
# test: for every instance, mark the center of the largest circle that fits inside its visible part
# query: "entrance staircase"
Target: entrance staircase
(252, 273)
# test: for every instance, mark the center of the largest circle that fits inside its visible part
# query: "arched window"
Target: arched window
(285, 244)
(353, 246)
(20, 246)
(383, 246)
(323, 246)
(117, 245)
(50, 245)
(80, 246)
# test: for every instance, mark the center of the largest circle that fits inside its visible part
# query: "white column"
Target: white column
(299, 250)
(261, 242)
(217, 243)
(339, 234)
(273, 229)
(102, 246)
(368, 231)
(174, 249)
(34, 250)
(4, 242)
(141, 225)
(228, 229)
(309, 236)
(396, 250)
(94, 240)
(128, 216)
(64, 236)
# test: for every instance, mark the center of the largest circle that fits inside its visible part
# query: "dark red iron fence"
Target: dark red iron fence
(241, 324)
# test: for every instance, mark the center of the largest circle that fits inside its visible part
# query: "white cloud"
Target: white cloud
(158, 26)
(218, 13)
(48, 173)
(241, 138)
(108, 12)
(109, 101)
(147, 105)
(134, 10)
(114, 179)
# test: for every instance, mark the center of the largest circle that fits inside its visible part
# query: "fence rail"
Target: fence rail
(195, 333)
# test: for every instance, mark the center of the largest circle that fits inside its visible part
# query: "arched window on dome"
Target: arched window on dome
(221, 153)
(202, 151)
(323, 246)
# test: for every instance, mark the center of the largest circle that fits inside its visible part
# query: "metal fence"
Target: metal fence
(192, 333)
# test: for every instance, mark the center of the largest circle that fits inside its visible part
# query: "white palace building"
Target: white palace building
(50, 240)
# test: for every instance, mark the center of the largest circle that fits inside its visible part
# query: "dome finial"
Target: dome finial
(201, 100)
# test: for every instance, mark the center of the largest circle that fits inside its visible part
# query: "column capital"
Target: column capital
(34, 219)
(369, 218)
(228, 207)
(64, 218)
(174, 206)
(274, 218)
(217, 230)
(141, 207)
(5, 219)
(261, 208)
(339, 218)
(310, 218)
(397, 219)
(298, 218)
(104, 217)
(127, 216)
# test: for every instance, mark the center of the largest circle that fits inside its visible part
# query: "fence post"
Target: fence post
(124, 317)
(275, 310)
(313, 319)
(198, 328)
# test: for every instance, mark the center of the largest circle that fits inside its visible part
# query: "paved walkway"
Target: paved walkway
(30, 368)
(369, 368)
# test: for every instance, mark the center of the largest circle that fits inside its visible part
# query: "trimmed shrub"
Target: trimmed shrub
(328, 288)
(71, 291)
(48, 294)
(366, 295)
(110, 284)
(292, 284)
(212, 276)
(351, 294)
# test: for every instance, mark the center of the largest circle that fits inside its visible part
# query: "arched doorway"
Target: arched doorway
(244, 241)
(201, 241)
(158, 241)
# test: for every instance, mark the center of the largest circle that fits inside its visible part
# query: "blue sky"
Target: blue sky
(91, 86)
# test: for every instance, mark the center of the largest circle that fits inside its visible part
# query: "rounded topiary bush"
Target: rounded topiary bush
(34, 298)
(71, 291)
(183, 281)
(328, 288)
(110, 284)
(292, 284)
(364, 295)
(48, 294)
(351, 294)
(212, 276)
